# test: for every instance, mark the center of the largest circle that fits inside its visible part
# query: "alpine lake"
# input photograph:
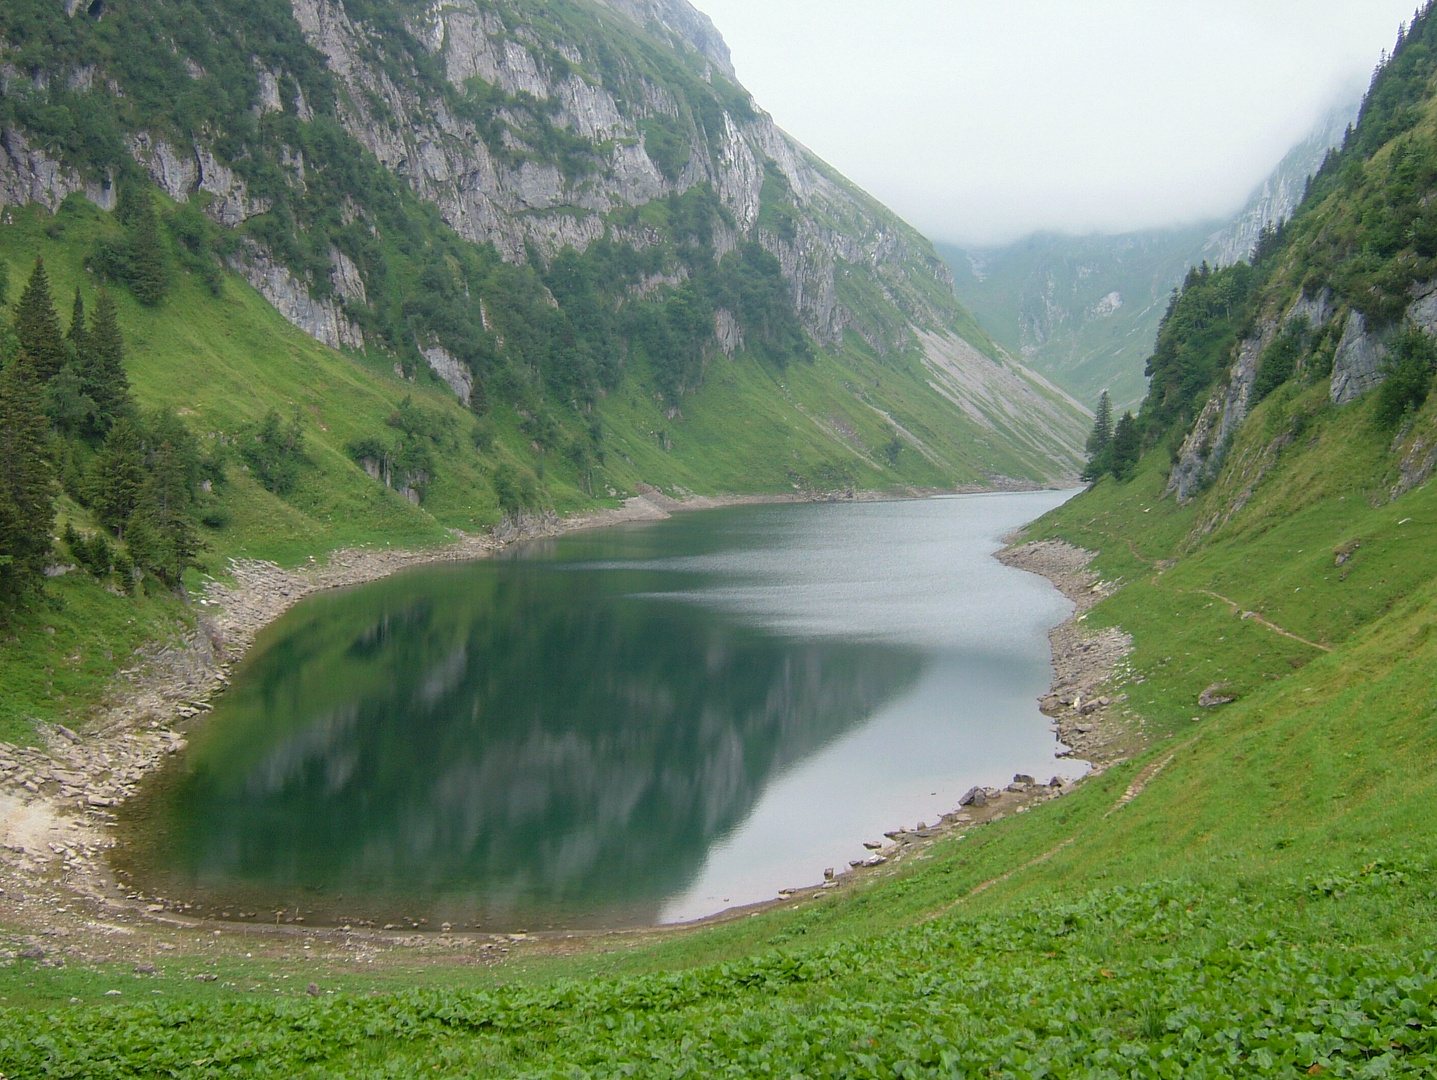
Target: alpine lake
(641, 724)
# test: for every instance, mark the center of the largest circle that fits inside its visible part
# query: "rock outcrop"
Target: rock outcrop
(451, 369)
(1357, 364)
(29, 175)
(1206, 445)
(323, 320)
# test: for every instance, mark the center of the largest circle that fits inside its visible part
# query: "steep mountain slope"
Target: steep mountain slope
(1084, 311)
(532, 202)
(482, 260)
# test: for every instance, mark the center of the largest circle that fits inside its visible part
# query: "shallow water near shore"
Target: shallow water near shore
(645, 723)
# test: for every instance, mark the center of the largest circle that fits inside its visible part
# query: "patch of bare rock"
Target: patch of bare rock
(1088, 665)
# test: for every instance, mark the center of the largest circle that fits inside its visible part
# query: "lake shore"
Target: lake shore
(57, 806)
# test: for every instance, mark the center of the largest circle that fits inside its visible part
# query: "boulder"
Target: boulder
(1216, 694)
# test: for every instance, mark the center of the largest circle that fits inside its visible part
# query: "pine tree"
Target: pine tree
(117, 481)
(1126, 446)
(104, 371)
(27, 493)
(38, 327)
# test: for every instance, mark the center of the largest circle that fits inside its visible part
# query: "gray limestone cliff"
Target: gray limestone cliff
(1203, 451)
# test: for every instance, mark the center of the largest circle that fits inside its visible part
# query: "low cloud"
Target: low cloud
(982, 121)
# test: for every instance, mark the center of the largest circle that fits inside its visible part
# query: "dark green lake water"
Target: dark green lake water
(643, 723)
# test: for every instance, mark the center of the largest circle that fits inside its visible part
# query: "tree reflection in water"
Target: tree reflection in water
(500, 743)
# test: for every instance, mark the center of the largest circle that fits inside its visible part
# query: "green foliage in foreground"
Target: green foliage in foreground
(1166, 980)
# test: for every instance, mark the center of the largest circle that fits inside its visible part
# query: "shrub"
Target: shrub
(1410, 361)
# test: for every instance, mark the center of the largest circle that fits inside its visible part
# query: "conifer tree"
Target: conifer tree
(1099, 439)
(67, 405)
(1102, 425)
(162, 534)
(145, 270)
(1126, 446)
(27, 496)
(117, 481)
(38, 327)
(104, 371)
(78, 333)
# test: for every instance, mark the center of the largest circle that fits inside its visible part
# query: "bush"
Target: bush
(483, 435)
(94, 553)
(1279, 360)
(274, 450)
(1409, 366)
(513, 490)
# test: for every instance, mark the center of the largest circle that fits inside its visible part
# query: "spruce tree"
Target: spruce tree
(1126, 446)
(162, 533)
(146, 272)
(117, 481)
(27, 493)
(104, 371)
(1099, 439)
(38, 327)
(78, 333)
(67, 405)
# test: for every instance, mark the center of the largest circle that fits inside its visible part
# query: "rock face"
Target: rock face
(1206, 444)
(28, 174)
(533, 206)
(323, 320)
(1357, 364)
(681, 19)
(451, 370)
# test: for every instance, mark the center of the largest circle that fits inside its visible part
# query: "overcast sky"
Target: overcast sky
(982, 120)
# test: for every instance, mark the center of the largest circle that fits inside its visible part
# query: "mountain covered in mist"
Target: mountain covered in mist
(1084, 310)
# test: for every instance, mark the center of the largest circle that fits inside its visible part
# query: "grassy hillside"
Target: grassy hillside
(1264, 906)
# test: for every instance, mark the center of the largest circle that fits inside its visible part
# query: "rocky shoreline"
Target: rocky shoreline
(56, 803)
(1087, 664)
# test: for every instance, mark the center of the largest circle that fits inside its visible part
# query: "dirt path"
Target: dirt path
(1237, 609)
